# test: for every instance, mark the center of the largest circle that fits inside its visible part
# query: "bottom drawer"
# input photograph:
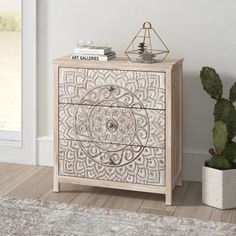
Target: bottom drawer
(130, 164)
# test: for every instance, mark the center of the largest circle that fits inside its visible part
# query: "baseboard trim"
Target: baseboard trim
(45, 151)
(192, 160)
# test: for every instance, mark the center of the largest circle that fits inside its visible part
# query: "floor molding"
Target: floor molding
(45, 151)
(192, 160)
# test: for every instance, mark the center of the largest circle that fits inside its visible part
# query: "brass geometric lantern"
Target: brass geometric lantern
(147, 46)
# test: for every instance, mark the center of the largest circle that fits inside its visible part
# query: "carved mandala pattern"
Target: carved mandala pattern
(148, 126)
(148, 87)
(148, 168)
(105, 130)
(108, 125)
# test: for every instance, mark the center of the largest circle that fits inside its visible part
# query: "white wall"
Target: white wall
(203, 32)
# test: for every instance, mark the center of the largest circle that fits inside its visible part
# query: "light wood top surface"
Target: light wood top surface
(120, 63)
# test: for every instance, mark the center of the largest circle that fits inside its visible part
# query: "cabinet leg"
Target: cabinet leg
(56, 186)
(169, 198)
(179, 181)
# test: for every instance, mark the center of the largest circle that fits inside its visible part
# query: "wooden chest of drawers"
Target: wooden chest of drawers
(118, 124)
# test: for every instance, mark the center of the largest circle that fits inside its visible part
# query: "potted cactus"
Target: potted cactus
(219, 172)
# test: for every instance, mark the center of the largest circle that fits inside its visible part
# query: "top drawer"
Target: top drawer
(138, 89)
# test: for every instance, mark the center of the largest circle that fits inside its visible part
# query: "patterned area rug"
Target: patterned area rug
(33, 217)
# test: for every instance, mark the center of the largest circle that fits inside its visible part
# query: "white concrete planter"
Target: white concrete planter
(219, 188)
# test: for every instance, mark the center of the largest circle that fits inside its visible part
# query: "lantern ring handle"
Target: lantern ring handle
(147, 25)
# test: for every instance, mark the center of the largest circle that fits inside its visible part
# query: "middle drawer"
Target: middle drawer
(113, 125)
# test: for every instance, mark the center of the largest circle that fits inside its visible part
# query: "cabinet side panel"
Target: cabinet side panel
(55, 166)
(176, 124)
(169, 138)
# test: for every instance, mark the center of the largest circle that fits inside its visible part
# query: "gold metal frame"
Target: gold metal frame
(151, 55)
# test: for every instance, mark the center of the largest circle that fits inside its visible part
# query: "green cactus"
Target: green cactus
(230, 151)
(231, 125)
(219, 162)
(211, 82)
(224, 110)
(232, 93)
(224, 129)
(219, 136)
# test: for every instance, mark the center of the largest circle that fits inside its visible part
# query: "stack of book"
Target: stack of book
(94, 53)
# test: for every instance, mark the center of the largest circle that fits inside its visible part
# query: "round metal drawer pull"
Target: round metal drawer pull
(110, 88)
(112, 125)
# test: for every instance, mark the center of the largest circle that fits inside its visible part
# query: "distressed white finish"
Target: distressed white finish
(88, 86)
(86, 160)
(118, 124)
(219, 188)
(131, 126)
(111, 125)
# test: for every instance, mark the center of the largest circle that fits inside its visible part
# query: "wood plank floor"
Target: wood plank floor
(36, 182)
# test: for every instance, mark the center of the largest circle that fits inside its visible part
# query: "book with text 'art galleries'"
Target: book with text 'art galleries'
(93, 57)
(98, 50)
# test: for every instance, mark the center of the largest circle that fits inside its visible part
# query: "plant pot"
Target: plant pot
(219, 187)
